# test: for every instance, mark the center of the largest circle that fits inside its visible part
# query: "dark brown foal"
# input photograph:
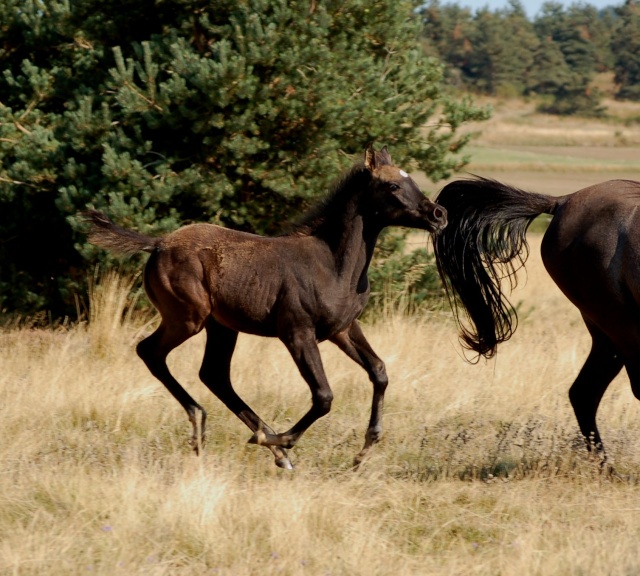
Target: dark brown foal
(307, 286)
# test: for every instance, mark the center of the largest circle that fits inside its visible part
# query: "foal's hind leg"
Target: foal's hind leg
(602, 365)
(154, 351)
(354, 344)
(215, 373)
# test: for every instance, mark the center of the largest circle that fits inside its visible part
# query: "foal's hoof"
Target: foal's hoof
(197, 446)
(356, 462)
(284, 463)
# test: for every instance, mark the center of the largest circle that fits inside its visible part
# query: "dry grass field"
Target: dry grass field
(480, 471)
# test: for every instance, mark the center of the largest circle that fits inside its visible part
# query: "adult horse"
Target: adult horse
(591, 249)
(304, 287)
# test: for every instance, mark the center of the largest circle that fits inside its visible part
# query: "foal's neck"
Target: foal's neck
(351, 236)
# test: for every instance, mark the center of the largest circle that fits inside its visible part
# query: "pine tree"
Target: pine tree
(163, 112)
(570, 31)
(498, 64)
(447, 31)
(626, 51)
(481, 46)
(550, 71)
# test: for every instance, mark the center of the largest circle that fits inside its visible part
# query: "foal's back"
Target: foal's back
(244, 280)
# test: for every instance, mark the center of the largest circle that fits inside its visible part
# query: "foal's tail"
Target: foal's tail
(483, 244)
(107, 235)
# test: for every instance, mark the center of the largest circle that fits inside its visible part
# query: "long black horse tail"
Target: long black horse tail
(104, 233)
(483, 245)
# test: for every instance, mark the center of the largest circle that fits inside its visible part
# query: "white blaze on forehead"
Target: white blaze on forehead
(404, 174)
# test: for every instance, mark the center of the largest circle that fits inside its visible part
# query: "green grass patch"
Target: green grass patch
(490, 158)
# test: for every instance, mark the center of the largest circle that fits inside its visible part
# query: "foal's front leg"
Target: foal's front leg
(353, 343)
(304, 349)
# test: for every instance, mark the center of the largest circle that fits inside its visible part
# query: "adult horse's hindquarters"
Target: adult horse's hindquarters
(591, 250)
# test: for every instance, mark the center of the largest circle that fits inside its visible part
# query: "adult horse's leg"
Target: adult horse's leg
(216, 374)
(602, 365)
(354, 344)
(303, 348)
(633, 370)
(154, 351)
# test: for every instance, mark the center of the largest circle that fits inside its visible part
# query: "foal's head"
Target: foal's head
(395, 198)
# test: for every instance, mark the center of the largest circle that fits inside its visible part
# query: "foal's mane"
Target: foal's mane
(335, 201)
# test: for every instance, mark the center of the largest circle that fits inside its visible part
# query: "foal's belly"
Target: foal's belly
(248, 314)
(338, 314)
(263, 318)
(330, 326)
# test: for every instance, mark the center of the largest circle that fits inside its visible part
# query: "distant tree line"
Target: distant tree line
(503, 52)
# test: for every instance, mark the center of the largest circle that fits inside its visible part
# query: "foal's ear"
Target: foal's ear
(370, 158)
(384, 158)
(373, 159)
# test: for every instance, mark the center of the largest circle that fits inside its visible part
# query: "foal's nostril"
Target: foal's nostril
(439, 213)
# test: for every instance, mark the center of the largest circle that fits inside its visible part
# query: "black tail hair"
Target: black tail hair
(484, 244)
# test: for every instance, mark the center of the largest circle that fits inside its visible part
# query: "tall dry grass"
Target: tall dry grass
(479, 471)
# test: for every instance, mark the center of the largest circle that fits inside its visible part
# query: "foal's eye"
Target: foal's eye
(393, 187)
